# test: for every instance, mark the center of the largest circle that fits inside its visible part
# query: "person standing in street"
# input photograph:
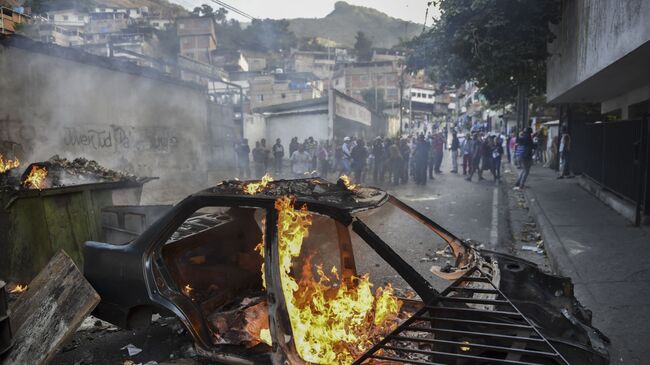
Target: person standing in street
(466, 149)
(258, 160)
(300, 162)
(359, 155)
(455, 146)
(475, 153)
(395, 160)
(243, 152)
(278, 155)
(405, 151)
(565, 154)
(524, 150)
(346, 157)
(438, 146)
(323, 159)
(497, 154)
(421, 157)
(266, 154)
(378, 162)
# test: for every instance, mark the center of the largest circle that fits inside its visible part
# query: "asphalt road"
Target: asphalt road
(469, 210)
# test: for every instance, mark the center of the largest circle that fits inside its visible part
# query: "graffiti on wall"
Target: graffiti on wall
(118, 138)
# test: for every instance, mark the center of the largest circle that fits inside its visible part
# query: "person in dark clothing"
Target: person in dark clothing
(438, 146)
(293, 145)
(497, 153)
(395, 160)
(475, 153)
(266, 154)
(455, 146)
(421, 157)
(524, 152)
(486, 157)
(378, 168)
(278, 155)
(243, 152)
(359, 157)
(405, 150)
(258, 160)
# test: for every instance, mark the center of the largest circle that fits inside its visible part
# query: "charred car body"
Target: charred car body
(232, 263)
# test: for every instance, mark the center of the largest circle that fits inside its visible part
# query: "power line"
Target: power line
(233, 9)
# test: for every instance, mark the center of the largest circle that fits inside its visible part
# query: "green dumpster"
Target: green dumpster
(36, 224)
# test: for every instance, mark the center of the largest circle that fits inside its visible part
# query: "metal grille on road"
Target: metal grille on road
(471, 322)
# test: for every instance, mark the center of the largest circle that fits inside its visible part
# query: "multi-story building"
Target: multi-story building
(133, 13)
(63, 36)
(353, 79)
(320, 64)
(601, 56)
(9, 19)
(283, 88)
(383, 54)
(68, 18)
(256, 60)
(106, 23)
(197, 37)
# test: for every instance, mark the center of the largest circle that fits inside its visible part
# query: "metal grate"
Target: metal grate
(471, 322)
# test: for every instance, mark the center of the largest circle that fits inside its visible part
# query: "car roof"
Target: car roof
(313, 191)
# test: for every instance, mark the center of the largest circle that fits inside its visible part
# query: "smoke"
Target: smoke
(77, 105)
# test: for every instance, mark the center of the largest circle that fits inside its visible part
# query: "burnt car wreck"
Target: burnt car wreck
(269, 272)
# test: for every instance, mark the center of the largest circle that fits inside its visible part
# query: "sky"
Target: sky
(412, 10)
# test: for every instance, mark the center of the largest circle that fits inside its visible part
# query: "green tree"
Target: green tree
(203, 10)
(363, 47)
(500, 44)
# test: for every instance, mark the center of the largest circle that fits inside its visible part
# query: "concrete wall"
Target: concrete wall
(593, 35)
(147, 126)
(302, 126)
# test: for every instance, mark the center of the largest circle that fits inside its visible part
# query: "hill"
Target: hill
(346, 20)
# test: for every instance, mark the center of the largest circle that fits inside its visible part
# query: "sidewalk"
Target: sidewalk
(607, 258)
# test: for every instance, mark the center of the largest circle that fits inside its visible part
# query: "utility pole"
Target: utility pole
(401, 100)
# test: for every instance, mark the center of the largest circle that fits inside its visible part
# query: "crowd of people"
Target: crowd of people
(395, 161)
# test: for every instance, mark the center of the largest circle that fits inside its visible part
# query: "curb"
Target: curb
(556, 252)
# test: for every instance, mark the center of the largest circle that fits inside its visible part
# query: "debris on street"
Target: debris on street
(45, 316)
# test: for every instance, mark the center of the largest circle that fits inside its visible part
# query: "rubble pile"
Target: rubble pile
(80, 171)
(60, 172)
(312, 188)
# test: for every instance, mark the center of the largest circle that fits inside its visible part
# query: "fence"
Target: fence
(612, 154)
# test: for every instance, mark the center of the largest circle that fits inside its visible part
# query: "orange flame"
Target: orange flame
(6, 165)
(332, 324)
(19, 288)
(254, 188)
(187, 290)
(348, 183)
(36, 178)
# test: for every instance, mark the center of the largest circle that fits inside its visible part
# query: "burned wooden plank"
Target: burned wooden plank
(47, 314)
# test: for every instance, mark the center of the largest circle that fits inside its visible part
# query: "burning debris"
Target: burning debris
(334, 320)
(59, 172)
(345, 180)
(256, 187)
(17, 288)
(6, 165)
(36, 178)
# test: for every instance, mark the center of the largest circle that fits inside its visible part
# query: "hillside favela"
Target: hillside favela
(284, 182)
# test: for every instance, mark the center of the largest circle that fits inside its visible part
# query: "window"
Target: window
(181, 26)
(65, 17)
(155, 24)
(284, 95)
(212, 259)
(80, 18)
(413, 93)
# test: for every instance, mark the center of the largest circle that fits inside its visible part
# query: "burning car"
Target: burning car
(288, 272)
